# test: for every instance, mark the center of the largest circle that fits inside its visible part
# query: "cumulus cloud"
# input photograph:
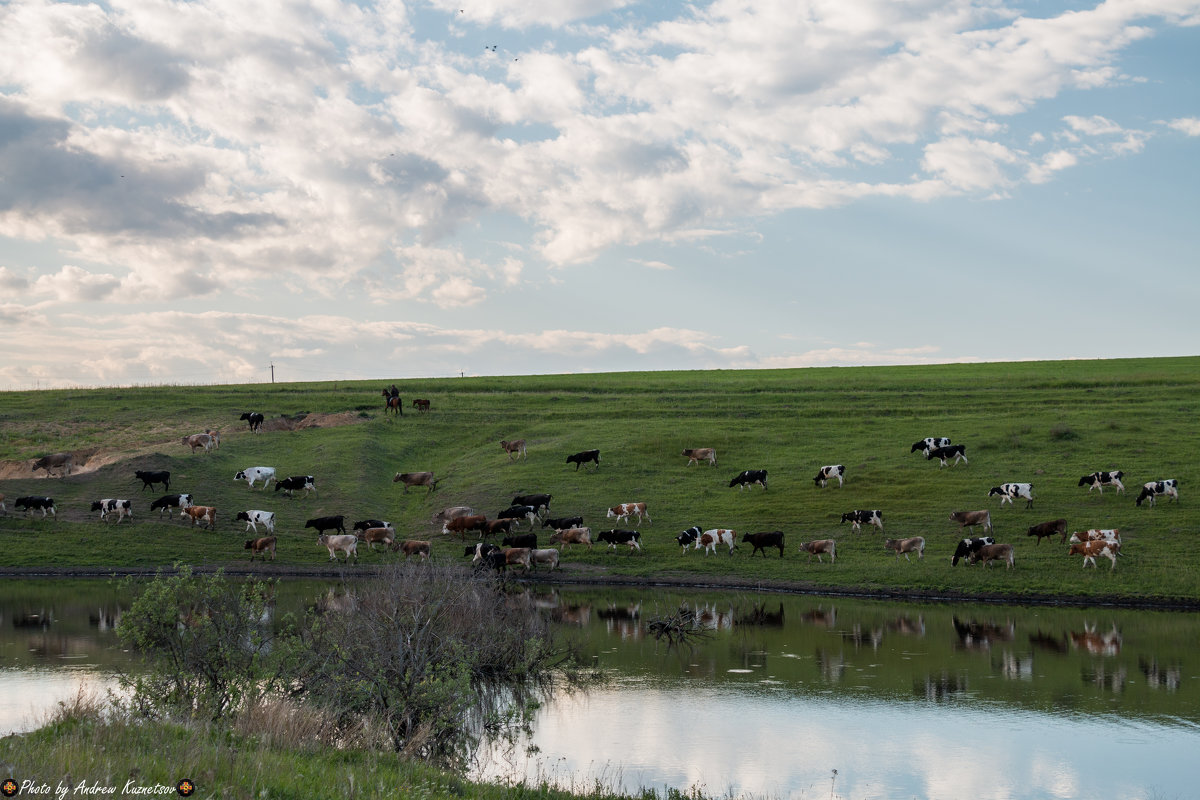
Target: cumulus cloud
(1186, 125)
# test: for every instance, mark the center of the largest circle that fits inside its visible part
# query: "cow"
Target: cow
(583, 457)
(170, 501)
(1046, 529)
(364, 524)
(967, 547)
(956, 451)
(513, 556)
(930, 442)
(253, 518)
(1010, 491)
(617, 536)
(538, 501)
(913, 544)
(149, 478)
(761, 541)
(517, 446)
(969, 519)
(715, 536)
(447, 514)
(206, 515)
(859, 518)
(549, 556)
(1089, 551)
(624, 510)
(992, 552)
(374, 536)
(749, 477)
(121, 508)
(518, 513)
(416, 479)
(695, 455)
(1097, 535)
(460, 525)
(689, 536)
(252, 475)
(480, 550)
(1153, 489)
(201, 440)
(495, 526)
(571, 536)
(260, 547)
(420, 404)
(322, 524)
(828, 473)
(255, 420)
(295, 482)
(819, 548)
(563, 522)
(340, 543)
(521, 540)
(1098, 480)
(216, 438)
(414, 547)
(33, 503)
(63, 461)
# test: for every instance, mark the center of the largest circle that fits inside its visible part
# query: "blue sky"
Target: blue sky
(195, 191)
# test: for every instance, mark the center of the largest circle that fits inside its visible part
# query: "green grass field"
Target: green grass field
(1042, 422)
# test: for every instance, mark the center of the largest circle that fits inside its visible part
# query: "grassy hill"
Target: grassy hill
(1042, 422)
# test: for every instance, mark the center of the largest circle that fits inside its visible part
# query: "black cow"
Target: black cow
(968, 547)
(35, 503)
(583, 457)
(559, 523)
(170, 502)
(956, 451)
(520, 540)
(750, 477)
(254, 418)
(149, 478)
(289, 485)
(538, 501)
(618, 536)
(761, 541)
(323, 524)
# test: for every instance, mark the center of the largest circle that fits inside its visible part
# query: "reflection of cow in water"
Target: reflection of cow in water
(759, 615)
(982, 635)
(1098, 644)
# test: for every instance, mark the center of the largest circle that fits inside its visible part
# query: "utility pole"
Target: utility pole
(272, 372)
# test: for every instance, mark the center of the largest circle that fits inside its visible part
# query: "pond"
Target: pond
(900, 699)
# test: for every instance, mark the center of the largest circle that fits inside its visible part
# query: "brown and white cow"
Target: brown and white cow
(1089, 551)
(969, 519)
(201, 440)
(415, 479)
(819, 548)
(516, 447)
(709, 540)
(261, 546)
(201, 515)
(913, 544)
(697, 454)
(567, 536)
(1097, 535)
(625, 510)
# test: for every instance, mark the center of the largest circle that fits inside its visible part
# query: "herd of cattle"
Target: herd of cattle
(521, 549)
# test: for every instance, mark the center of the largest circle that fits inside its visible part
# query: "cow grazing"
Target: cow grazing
(828, 473)
(518, 513)
(199, 440)
(255, 420)
(340, 543)
(1046, 529)
(149, 478)
(460, 525)
(322, 524)
(583, 457)
(617, 536)
(563, 522)
(416, 479)
(956, 451)
(709, 540)
(33, 503)
(549, 557)
(122, 508)
(201, 515)
(761, 541)
(913, 544)
(63, 461)
(929, 443)
(690, 536)
(539, 502)
(516, 447)
(169, 502)
(571, 536)
(253, 518)
(993, 552)
(1089, 551)
(1154, 489)
(1098, 480)
(749, 477)
(252, 475)
(857, 519)
(364, 524)
(624, 511)
(697, 454)
(414, 547)
(521, 540)
(261, 547)
(819, 548)
(1011, 491)
(969, 519)
(967, 547)
(295, 483)
(420, 404)
(374, 536)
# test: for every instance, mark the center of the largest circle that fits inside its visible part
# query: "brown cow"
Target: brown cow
(1044, 530)
(63, 461)
(992, 552)
(517, 446)
(460, 525)
(913, 544)
(203, 440)
(201, 514)
(697, 454)
(567, 536)
(261, 546)
(374, 536)
(413, 547)
(819, 548)
(415, 479)
(969, 519)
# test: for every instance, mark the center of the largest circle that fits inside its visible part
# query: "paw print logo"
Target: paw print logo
(9, 788)
(185, 788)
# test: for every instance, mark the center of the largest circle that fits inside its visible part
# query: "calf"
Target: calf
(416, 479)
(578, 459)
(956, 451)
(1046, 529)
(169, 502)
(697, 454)
(1098, 480)
(202, 440)
(913, 544)
(341, 543)
(859, 518)
(414, 547)
(63, 461)
(549, 557)
(1010, 491)
(252, 475)
(322, 524)
(35, 503)
(969, 519)
(1089, 551)
(749, 477)
(121, 508)
(261, 547)
(571, 536)
(373, 536)
(819, 548)
(709, 540)
(296, 482)
(517, 447)
(761, 541)
(563, 522)
(253, 518)
(625, 510)
(1153, 489)
(929, 443)
(521, 540)
(254, 419)
(618, 536)
(992, 552)
(538, 501)
(460, 525)
(148, 478)
(201, 515)
(968, 547)
(828, 473)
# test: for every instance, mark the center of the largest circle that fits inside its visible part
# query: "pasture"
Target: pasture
(1045, 423)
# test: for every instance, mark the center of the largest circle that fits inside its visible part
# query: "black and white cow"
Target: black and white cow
(956, 451)
(828, 473)
(538, 501)
(930, 442)
(618, 536)
(295, 483)
(255, 420)
(690, 536)
(254, 518)
(968, 547)
(170, 502)
(859, 518)
(561, 523)
(1153, 489)
(1098, 480)
(122, 508)
(252, 475)
(35, 503)
(367, 524)
(519, 512)
(749, 477)
(1010, 491)
(149, 478)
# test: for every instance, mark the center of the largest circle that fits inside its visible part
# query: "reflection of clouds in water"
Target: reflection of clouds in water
(28, 695)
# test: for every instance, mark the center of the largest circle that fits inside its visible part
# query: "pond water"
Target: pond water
(900, 699)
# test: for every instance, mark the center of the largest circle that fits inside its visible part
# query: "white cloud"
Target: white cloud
(969, 164)
(1186, 125)
(72, 284)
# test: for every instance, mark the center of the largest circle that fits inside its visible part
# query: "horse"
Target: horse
(392, 403)
(420, 405)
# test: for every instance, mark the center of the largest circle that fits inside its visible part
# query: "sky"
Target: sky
(196, 192)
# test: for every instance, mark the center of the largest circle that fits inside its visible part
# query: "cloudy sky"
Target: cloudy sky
(193, 191)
